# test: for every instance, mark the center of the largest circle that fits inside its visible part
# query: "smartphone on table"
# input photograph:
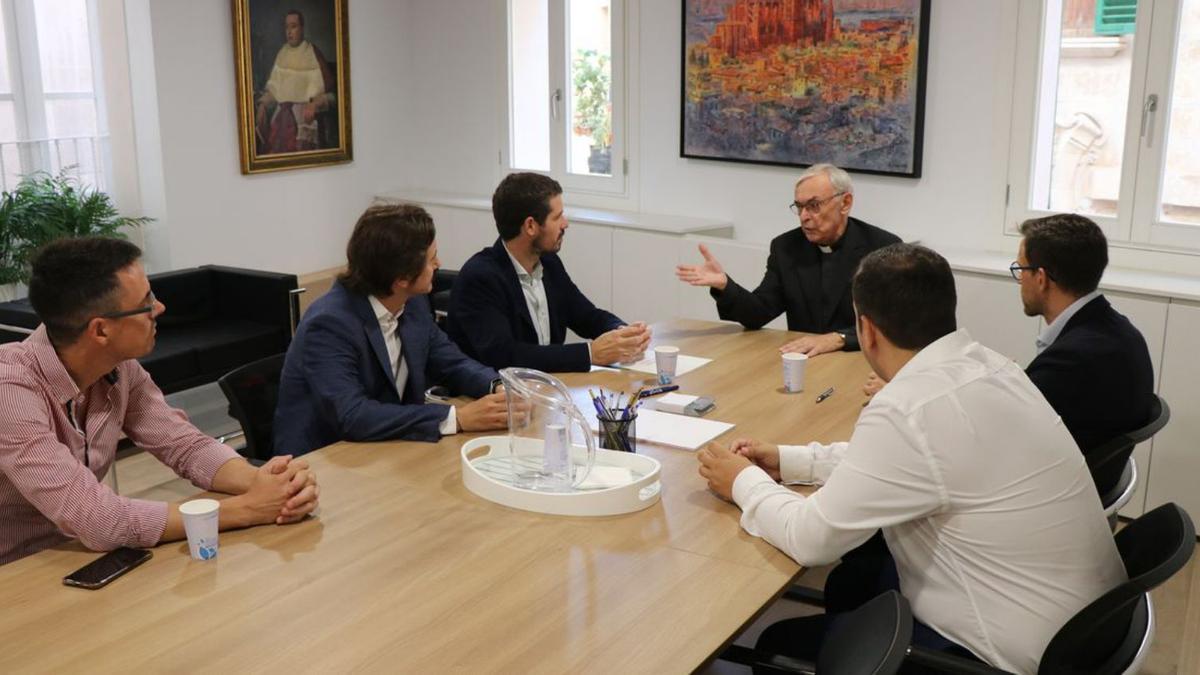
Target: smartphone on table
(107, 567)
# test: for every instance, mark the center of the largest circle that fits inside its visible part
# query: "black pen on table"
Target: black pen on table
(825, 394)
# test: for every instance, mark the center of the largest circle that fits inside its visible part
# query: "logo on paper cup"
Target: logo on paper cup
(207, 551)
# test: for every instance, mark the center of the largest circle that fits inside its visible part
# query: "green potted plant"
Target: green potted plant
(45, 207)
(593, 106)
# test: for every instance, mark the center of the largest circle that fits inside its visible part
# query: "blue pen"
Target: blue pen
(655, 391)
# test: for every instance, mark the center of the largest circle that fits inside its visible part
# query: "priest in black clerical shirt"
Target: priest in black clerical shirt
(809, 269)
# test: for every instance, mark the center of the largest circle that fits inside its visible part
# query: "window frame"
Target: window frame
(29, 97)
(1137, 224)
(603, 188)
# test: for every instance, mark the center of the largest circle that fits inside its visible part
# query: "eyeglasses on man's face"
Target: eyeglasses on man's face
(147, 309)
(1016, 269)
(813, 205)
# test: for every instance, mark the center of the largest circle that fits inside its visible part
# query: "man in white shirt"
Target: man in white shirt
(982, 497)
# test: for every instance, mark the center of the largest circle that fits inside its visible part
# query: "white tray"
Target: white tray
(483, 480)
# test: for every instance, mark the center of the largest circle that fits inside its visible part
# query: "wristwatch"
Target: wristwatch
(845, 337)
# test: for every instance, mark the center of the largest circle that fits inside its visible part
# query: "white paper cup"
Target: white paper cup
(200, 520)
(793, 371)
(665, 359)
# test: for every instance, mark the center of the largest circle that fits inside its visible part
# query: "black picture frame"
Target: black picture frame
(778, 129)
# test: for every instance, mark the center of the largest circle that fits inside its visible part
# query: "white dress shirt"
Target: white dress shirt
(535, 297)
(1051, 332)
(983, 498)
(389, 325)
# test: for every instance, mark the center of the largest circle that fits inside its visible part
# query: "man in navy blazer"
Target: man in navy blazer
(366, 351)
(512, 303)
(1092, 364)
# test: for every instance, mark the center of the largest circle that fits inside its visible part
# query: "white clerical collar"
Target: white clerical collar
(825, 249)
(1050, 333)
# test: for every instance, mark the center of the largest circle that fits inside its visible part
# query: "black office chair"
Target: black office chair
(252, 391)
(871, 640)
(1115, 459)
(439, 297)
(1111, 635)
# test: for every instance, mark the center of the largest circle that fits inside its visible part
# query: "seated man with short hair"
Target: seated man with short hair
(366, 351)
(982, 497)
(73, 388)
(1093, 365)
(512, 303)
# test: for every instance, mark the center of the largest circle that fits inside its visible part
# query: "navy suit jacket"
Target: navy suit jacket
(793, 283)
(337, 383)
(489, 318)
(1098, 377)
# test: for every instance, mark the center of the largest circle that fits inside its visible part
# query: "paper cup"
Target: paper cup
(200, 520)
(793, 371)
(665, 359)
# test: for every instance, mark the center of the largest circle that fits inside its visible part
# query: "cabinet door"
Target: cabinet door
(989, 307)
(743, 262)
(1149, 315)
(587, 255)
(1173, 473)
(643, 276)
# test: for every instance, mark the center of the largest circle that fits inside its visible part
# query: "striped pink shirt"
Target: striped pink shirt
(50, 473)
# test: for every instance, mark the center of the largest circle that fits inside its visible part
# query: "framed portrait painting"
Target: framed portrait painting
(293, 83)
(798, 82)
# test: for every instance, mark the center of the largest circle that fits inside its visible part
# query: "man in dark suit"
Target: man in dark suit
(808, 270)
(1092, 364)
(365, 352)
(512, 303)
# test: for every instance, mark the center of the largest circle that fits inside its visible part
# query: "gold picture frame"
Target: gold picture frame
(293, 105)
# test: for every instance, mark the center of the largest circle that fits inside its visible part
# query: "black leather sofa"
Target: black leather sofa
(217, 319)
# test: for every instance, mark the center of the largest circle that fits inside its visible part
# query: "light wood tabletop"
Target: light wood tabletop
(405, 570)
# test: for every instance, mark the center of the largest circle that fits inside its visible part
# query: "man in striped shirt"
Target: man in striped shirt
(73, 387)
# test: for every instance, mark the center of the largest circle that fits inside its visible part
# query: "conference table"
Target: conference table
(405, 570)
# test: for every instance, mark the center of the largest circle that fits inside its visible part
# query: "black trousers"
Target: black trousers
(864, 573)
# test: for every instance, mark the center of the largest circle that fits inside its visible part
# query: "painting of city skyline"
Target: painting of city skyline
(797, 82)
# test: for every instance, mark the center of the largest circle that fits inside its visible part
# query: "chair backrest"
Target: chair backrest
(1154, 547)
(253, 390)
(439, 297)
(872, 639)
(1108, 461)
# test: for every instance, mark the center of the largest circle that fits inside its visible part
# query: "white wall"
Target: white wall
(209, 212)
(454, 101)
(458, 124)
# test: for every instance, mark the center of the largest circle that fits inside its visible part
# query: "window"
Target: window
(51, 112)
(566, 92)
(1107, 118)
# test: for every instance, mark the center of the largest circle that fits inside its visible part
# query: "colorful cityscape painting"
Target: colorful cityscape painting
(797, 82)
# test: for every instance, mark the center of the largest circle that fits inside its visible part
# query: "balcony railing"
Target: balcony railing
(84, 157)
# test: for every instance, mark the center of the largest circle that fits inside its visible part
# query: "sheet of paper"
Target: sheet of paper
(676, 431)
(683, 366)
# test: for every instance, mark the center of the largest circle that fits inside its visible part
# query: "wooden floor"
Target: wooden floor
(1176, 646)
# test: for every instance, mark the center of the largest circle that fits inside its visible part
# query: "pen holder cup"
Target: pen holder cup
(618, 434)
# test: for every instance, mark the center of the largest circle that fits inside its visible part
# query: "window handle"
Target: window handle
(1148, 110)
(555, 103)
